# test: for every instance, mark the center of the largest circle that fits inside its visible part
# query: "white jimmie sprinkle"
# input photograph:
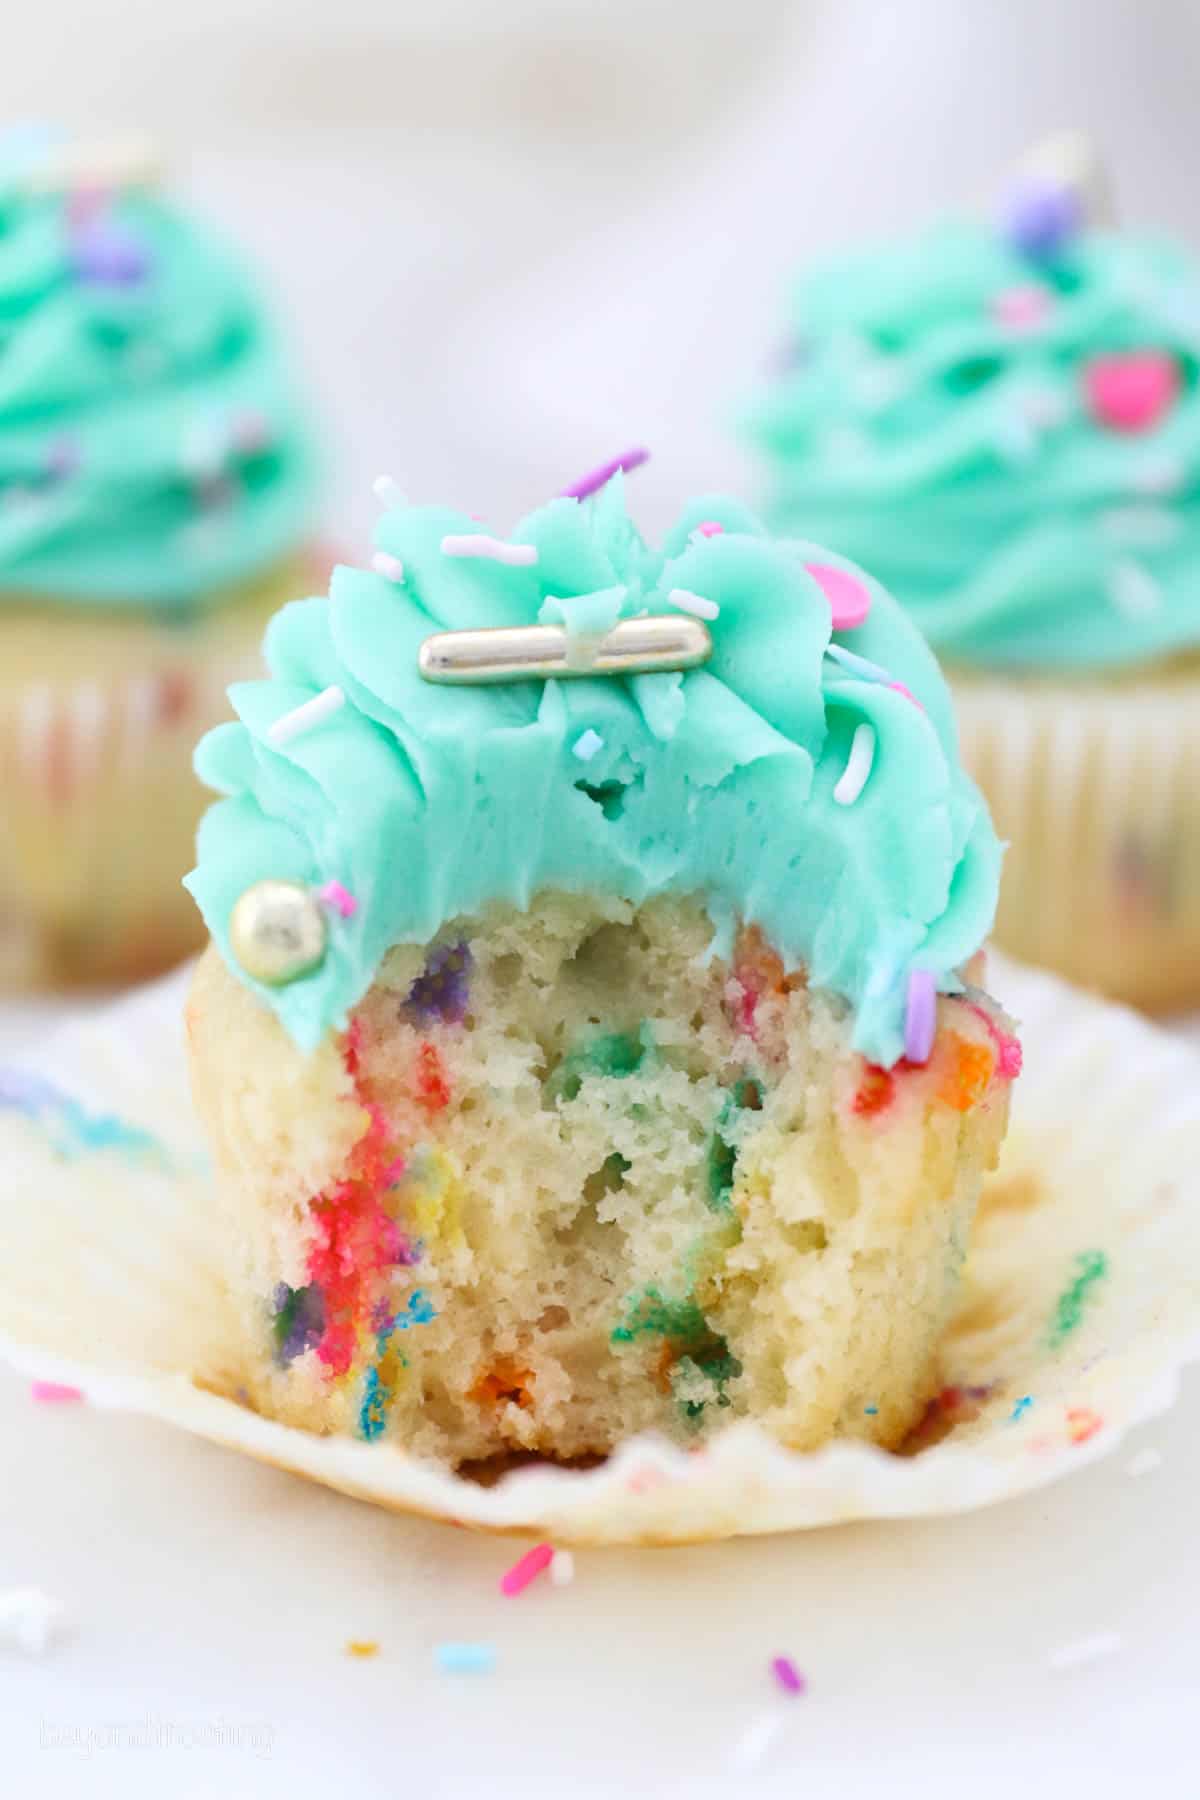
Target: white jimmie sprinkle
(854, 776)
(517, 556)
(696, 604)
(303, 718)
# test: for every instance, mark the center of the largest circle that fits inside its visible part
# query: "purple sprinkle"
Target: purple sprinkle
(597, 478)
(788, 1675)
(920, 1016)
(299, 1320)
(440, 992)
(106, 254)
(63, 458)
(1041, 218)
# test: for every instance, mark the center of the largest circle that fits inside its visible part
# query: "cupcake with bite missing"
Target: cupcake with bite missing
(1002, 420)
(156, 507)
(589, 1040)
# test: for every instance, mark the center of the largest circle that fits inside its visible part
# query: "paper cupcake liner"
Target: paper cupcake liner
(98, 723)
(1080, 1304)
(1093, 785)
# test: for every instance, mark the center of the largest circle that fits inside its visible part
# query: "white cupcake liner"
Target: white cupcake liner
(1093, 783)
(111, 1281)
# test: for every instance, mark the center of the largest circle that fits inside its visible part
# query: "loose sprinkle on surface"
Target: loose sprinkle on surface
(696, 604)
(339, 898)
(589, 743)
(362, 1647)
(1021, 1408)
(303, 718)
(53, 1393)
(1084, 1650)
(854, 777)
(515, 1580)
(788, 1675)
(387, 565)
(491, 549)
(562, 1568)
(920, 1016)
(757, 1739)
(465, 1659)
(595, 479)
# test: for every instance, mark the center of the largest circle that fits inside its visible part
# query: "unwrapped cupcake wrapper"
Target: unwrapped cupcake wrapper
(1079, 1307)
(1094, 785)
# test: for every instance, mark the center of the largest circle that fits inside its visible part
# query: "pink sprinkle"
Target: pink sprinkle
(898, 687)
(1131, 392)
(340, 898)
(1022, 308)
(788, 1675)
(849, 600)
(595, 479)
(53, 1393)
(920, 1016)
(710, 528)
(518, 1578)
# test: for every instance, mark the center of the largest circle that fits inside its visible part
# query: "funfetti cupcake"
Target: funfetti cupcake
(587, 1042)
(156, 506)
(1000, 418)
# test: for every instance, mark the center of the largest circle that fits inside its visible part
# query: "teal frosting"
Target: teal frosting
(957, 456)
(427, 802)
(152, 452)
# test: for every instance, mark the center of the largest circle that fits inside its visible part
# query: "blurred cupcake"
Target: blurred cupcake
(156, 495)
(1003, 423)
(588, 1056)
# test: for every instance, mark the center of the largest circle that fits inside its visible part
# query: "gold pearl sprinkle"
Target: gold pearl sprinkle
(277, 932)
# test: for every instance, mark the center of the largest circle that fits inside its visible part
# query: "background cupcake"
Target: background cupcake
(156, 492)
(1003, 421)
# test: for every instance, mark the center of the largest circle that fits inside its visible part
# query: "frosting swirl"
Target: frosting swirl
(151, 449)
(1011, 440)
(426, 802)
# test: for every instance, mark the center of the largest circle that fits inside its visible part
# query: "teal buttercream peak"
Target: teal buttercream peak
(934, 413)
(154, 452)
(426, 802)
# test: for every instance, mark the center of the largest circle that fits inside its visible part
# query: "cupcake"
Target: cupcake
(156, 494)
(1001, 421)
(592, 1055)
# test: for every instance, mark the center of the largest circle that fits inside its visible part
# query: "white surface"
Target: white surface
(209, 1592)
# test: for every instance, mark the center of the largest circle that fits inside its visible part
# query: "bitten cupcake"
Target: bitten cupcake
(593, 1049)
(1003, 422)
(156, 498)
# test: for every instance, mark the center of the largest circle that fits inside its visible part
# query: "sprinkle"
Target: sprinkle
(249, 430)
(1083, 1422)
(849, 598)
(595, 479)
(1044, 407)
(757, 1739)
(303, 718)
(788, 1675)
(63, 458)
(1133, 590)
(1144, 1463)
(696, 604)
(105, 254)
(29, 1619)
(709, 528)
(1091, 1266)
(562, 1568)
(387, 490)
(362, 1647)
(515, 1580)
(1133, 390)
(479, 544)
(465, 1659)
(1022, 308)
(339, 898)
(872, 1410)
(1021, 1408)
(387, 565)
(854, 777)
(440, 991)
(857, 665)
(53, 1393)
(1041, 218)
(588, 744)
(920, 1016)
(1084, 1650)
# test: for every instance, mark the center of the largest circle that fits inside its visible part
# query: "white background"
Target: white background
(513, 237)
